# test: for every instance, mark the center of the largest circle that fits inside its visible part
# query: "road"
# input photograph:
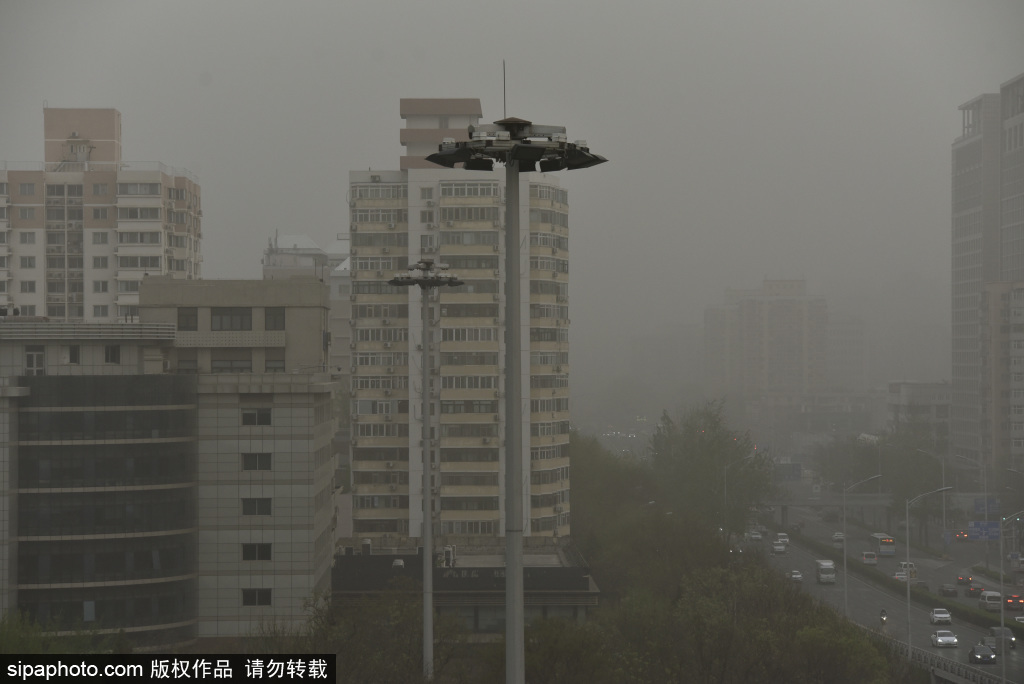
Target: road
(866, 600)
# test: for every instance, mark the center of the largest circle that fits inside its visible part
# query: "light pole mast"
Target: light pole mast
(428, 278)
(846, 595)
(522, 146)
(909, 502)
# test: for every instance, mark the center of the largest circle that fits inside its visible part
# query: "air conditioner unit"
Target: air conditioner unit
(497, 321)
(386, 321)
(391, 370)
(433, 442)
(380, 274)
(428, 250)
(352, 297)
(430, 203)
(387, 393)
(388, 418)
(353, 251)
(352, 369)
(497, 418)
(495, 223)
(449, 224)
(554, 274)
(561, 299)
(497, 297)
(375, 179)
(486, 440)
(495, 273)
(390, 464)
(351, 345)
(355, 228)
(503, 200)
(355, 442)
(495, 248)
(497, 394)
(554, 250)
(431, 226)
(387, 345)
(391, 226)
(558, 509)
(558, 369)
(387, 250)
(391, 487)
(351, 203)
(355, 418)
(419, 347)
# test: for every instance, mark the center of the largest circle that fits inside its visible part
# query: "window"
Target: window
(256, 597)
(74, 354)
(27, 238)
(100, 311)
(3, 188)
(188, 318)
(258, 416)
(138, 262)
(28, 286)
(55, 310)
(99, 213)
(138, 213)
(112, 353)
(27, 213)
(55, 237)
(138, 188)
(255, 461)
(99, 262)
(231, 318)
(74, 191)
(256, 552)
(27, 188)
(54, 213)
(273, 360)
(128, 286)
(28, 309)
(100, 189)
(256, 506)
(275, 318)
(28, 262)
(54, 190)
(426, 193)
(35, 360)
(100, 285)
(139, 238)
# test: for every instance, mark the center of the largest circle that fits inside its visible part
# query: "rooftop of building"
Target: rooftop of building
(439, 106)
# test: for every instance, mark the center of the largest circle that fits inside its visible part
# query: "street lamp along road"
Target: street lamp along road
(521, 146)
(909, 502)
(428, 278)
(1002, 592)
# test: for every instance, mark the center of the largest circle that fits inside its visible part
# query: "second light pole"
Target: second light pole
(907, 569)
(427, 278)
(846, 601)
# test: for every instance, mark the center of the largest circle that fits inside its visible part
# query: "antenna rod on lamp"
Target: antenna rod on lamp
(504, 96)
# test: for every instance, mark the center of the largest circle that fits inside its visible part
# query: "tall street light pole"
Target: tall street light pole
(846, 598)
(909, 502)
(1002, 593)
(725, 496)
(943, 462)
(427, 278)
(984, 484)
(521, 146)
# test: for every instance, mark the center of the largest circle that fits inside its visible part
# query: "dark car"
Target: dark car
(964, 579)
(1007, 635)
(975, 590)
(1015, 602)
(980, 653)
(961, 535)
(947, 590)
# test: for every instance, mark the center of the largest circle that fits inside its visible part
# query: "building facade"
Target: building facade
(80, 230)
(454, 217)
(987, 234)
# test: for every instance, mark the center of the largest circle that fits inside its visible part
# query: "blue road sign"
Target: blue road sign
(982, 530)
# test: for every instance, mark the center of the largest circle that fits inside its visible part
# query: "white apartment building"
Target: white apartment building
(80, 230)
(455, 217)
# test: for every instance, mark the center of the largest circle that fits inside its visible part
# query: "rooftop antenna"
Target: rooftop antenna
(504, 97)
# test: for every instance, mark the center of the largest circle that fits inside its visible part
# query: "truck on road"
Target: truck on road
(825, 571)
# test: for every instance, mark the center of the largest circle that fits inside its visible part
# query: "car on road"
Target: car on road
(1020, 619)
(778, 549)
(947, 590)
(944, 639)
(1005, 633)
(975, 590)
(781, 538)
(960, 535)
(980, 653)
(755, 535)
(1015, 602)
(796, 576)
(940, 616)
(869, 558)
(837, 539)
(964, 579)
(900, 575)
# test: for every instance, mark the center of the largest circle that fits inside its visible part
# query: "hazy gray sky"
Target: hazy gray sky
(747, 139)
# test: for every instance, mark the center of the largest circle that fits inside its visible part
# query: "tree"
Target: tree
(708, 468)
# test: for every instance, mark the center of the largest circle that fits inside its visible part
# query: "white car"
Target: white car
(900, 575)
(796, 576)
(755, 535)
(940, 616)
(944, 639)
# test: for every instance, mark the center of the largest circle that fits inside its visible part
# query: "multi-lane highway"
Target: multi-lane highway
(866, 599)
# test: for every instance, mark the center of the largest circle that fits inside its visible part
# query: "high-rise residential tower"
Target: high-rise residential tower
(80, 230)
(987, 212)
(454, 217)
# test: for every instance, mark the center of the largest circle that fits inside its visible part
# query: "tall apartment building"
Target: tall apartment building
(456, 217)
(987, 222)
(171, 478)
(766, 350)
(80, 230)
